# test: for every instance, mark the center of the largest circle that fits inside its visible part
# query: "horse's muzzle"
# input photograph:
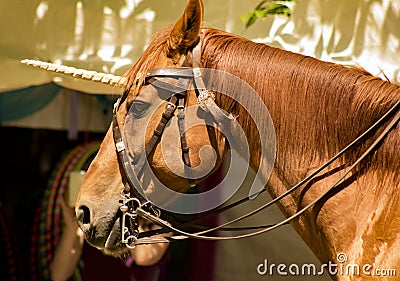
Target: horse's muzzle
(103, 232)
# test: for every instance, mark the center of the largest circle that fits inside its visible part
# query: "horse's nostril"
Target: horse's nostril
(83, 215)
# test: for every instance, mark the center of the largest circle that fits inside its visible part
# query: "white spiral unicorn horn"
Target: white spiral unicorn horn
(95, 76)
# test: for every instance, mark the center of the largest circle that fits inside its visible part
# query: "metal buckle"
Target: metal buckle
(170, 104)
(129, 229)
(149, 207)
(204, 95)
(120, 146)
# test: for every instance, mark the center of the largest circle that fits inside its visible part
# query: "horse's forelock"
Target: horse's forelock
(136, 75)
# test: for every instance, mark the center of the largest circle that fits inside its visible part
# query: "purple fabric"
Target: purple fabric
(100, 267)
(148, 273)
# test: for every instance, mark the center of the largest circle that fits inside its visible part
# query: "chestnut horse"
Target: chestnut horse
(317, 108)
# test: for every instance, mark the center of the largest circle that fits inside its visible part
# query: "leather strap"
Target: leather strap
(181, 72)
(166, 116)
(132, 183)
(181, 125)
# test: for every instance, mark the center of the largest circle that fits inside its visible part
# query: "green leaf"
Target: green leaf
(265, 8)
(246, 17)
(249, 19)
(259, 6)
(261, 13)
(279, 9)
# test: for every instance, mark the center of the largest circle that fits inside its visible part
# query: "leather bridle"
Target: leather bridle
(136, 204)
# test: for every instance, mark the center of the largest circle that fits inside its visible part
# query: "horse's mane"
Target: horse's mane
(317, 107)
(322, 106)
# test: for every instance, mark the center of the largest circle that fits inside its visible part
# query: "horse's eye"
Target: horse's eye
(139, 108)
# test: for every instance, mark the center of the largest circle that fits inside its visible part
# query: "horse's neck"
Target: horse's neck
(364, 207)
(317, 107)
(316, 112)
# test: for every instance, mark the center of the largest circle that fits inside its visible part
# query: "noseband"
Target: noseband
(134, 201)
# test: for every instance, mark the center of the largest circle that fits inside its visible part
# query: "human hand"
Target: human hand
(150, 254)
(68, 214)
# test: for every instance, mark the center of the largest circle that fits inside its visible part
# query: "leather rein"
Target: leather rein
(134, 202)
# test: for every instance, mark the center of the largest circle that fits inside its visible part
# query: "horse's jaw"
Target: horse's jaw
(113, 245)
(108, 240)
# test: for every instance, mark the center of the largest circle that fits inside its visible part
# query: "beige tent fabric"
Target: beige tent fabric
(109, 35)
(363, 33)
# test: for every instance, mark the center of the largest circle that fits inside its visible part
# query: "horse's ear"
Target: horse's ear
(186, 31)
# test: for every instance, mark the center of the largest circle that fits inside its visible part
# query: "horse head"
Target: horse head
(168, 135)
(152, 139)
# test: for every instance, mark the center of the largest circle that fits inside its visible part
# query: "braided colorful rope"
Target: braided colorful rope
(48, 223)
(10, 257)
